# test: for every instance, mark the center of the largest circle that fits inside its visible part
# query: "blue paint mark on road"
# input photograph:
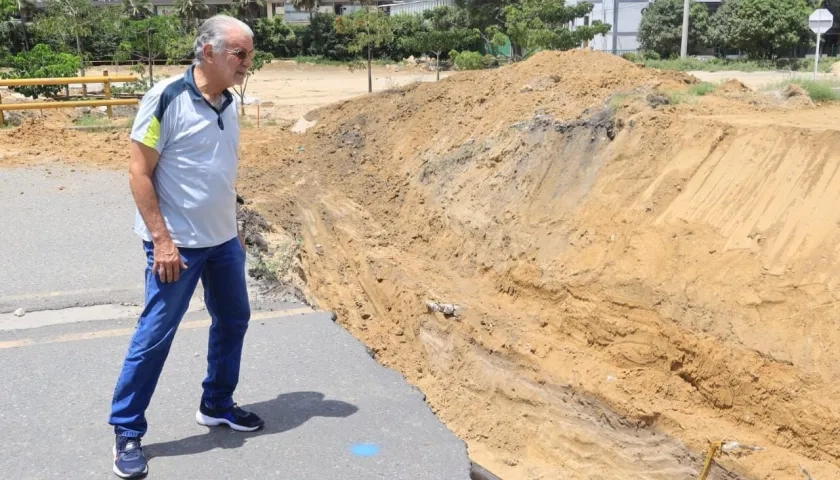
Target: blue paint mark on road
(365, 449)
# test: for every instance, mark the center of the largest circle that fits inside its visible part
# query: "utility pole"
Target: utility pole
(684, 47)
(615, 28)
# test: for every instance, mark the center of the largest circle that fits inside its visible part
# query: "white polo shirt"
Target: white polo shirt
(199, 156)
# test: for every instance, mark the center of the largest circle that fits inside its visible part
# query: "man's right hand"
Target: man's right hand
(168, 263)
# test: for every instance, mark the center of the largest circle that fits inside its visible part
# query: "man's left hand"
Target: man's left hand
(242, 241)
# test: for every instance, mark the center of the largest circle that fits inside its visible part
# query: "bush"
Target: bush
(819, 91)
(468, 61)
(42, 62)
(275, 36)
(702, 88)
(632, 57)
(490, 61)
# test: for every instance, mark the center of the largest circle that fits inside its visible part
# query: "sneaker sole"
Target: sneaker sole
(120, 474)
(215, 422)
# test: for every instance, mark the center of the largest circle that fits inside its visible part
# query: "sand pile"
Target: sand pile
(733, 86)
(667, 266)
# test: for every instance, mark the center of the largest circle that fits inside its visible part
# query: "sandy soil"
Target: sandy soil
(634, 279)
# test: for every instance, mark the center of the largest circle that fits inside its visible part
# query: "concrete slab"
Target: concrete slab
(331, 411)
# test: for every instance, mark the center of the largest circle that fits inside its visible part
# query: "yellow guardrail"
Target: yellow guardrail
(105, 79)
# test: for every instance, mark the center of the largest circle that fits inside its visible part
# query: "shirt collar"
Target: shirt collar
(195, 93)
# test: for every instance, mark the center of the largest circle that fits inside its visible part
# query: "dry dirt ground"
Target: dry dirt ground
(638, 271)
(288, 90)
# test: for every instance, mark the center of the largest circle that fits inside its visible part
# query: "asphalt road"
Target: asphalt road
(331, 410)
(66, 239)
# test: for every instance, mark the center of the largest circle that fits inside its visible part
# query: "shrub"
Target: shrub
(42, 62)
(703, 88)
(490, 61)
(469, 61)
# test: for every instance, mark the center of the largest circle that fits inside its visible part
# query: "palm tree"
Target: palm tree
(190, 11)
(25, 10)
(305, 5)
(137, 9)
(242, 10)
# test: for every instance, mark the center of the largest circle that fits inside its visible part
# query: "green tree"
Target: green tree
(259, 61)
(42, 62)
(762, 29)
(137, 9)
(369, 28)
(24, 9)
(483, 14)
(308, 5)
(447, 18)
(533, 25)
(404, 26)
(190, 11)
(245, 8)
(70, 20)
(660, 30)
(153, 38)
(439, 41)
(275, 36)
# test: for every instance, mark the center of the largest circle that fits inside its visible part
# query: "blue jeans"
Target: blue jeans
(222, 273)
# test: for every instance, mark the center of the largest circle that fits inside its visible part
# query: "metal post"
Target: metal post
(684, 46)
(817, 56)
(108, 94)
(615, 28)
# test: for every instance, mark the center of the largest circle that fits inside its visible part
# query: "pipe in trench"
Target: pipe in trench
(477, 472)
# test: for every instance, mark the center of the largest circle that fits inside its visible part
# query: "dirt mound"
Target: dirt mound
(648, 261)
(733, 86)
(48, 138)
(794, 90)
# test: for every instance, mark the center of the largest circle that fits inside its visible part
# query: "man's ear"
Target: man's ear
(208, 51)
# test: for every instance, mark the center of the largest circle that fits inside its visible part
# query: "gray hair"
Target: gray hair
(214, 31)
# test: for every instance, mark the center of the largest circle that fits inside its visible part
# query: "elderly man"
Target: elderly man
(184, 159)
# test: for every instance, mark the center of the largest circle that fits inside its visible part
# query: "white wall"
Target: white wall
(629, 17)
(418, 6)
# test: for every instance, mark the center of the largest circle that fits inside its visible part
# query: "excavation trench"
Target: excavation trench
(511, 353)
(621, 273)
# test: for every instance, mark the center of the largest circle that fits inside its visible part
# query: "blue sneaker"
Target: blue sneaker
(129, 460)
(234, 417)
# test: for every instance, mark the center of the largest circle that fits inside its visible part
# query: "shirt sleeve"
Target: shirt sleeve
(150, 125)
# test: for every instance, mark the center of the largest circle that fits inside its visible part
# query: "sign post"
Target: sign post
(819, 22)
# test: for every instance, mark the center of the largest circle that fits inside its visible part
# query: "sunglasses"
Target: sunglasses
(241, 54)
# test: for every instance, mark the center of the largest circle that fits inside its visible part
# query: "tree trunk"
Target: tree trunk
(370, 74)
(25, 36)
(82, 65)
(437, 65)
(242, 98)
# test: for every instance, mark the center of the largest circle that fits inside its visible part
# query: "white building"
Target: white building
(625, 17)
(415, 7)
